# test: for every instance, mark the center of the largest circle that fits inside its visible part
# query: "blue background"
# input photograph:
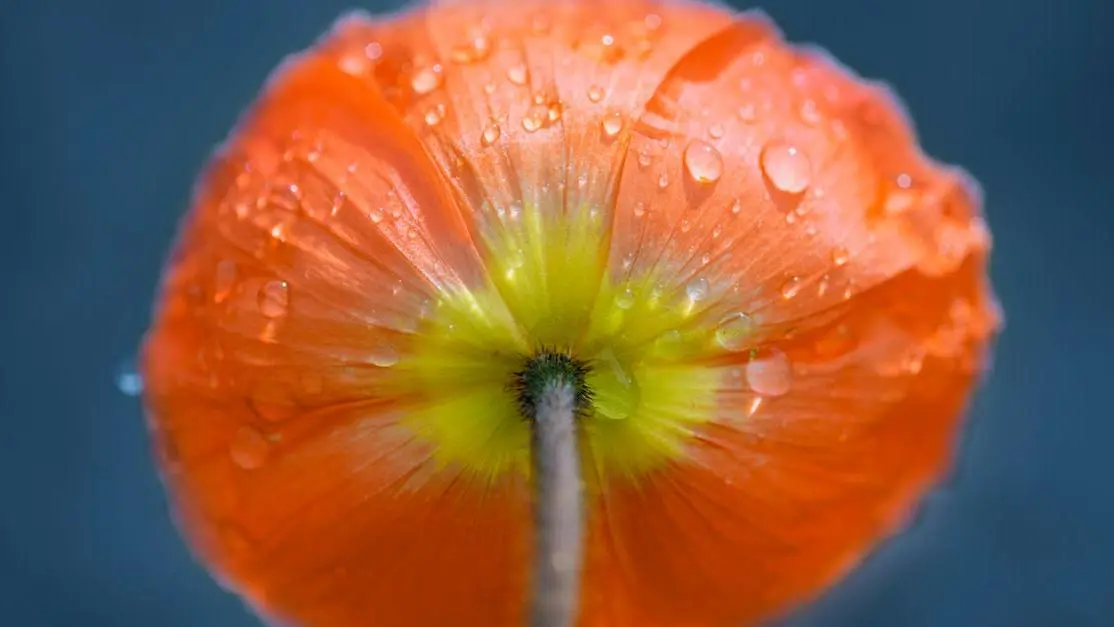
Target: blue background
(109, 109)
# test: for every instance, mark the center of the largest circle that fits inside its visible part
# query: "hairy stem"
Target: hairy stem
(558, 508)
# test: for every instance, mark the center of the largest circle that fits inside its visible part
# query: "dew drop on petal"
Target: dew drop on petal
(433, 116)
(534, 119)
(426, 79)
(703, 162)
(734, 331)
(791, 287)
(383, 355)
(249, 448)
(612, 124)
(786, 167)
(810, 113)
(769, 373)
(697, 289)
(595, 93)
(840, 256)
(517, 74)
(624, 299)
(274, 298)
(491, 134)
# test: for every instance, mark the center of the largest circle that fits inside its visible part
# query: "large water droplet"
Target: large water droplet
(769, 373)
(786, 167)
(517, 74)
(426, 79)
(612, 124)
(697, 289)
(274, 298)
(734, 331)
(383, 355)
(703, 162)
(534, 119)
(249, 448)
(595, 93)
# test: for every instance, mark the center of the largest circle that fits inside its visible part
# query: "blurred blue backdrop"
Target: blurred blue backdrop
(109, 109)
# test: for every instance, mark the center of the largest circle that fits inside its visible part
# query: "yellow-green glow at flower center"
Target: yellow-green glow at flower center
(551, 286)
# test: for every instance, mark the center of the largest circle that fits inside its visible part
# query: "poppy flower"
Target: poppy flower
(768, 304)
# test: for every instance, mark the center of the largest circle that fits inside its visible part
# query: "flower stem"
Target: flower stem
(555, 388)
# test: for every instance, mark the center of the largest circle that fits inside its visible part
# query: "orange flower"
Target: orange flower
(781, 303)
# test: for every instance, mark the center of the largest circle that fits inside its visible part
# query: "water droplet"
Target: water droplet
(716, 131)
(434, 115)
(840, 256)
(517, 74)
(639, 209)
(663, 181)
(595, 93)
(338, 202)
(274, 298)
(644, 160)
(426, 79)
(128, 379)
(747, 112)
(624, 299)
(612, 124)
(791, 288)
(786, 167)
(383, 355)
(249, 448)
(810, 113)
(376, 215)
(697, 289)
(554, 112)
(703, 162)
(734, 331)
(491, 134)
(769, 373)
(534, 118)
(823, 285)
(476, 49)
(736, 207)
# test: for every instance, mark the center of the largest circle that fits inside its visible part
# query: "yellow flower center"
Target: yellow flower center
(551, 286)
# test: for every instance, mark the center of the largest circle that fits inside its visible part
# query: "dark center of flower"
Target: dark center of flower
(545, 370)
